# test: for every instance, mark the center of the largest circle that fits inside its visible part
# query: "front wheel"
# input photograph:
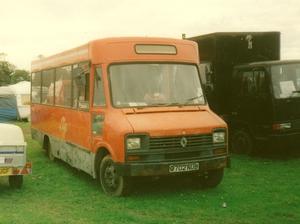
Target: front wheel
(242, 142)
(212, 178)
(15, 181)
(111, 183)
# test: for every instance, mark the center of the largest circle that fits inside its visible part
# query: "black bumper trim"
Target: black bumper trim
(162, 168)
(290, 139)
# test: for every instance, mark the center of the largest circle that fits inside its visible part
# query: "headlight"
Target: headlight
(282, 126)
(218, 137)
(133, 143)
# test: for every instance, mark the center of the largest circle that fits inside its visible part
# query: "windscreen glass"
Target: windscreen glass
(286, 80)
(142, 85)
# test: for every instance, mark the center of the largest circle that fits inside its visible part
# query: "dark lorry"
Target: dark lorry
(247, 84)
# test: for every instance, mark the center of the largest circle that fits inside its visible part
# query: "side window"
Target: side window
(203, 72)
(248, 85)
(261, 83)
(81, 85)
(206, 74)
(99, 98)
(36, 87)
(63, 81)
(48, 86)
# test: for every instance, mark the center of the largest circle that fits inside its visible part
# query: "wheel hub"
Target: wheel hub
(110, 176)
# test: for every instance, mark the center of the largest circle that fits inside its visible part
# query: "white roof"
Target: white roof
(6, 90)
(21, 87)
(16, 89)
(11, 135)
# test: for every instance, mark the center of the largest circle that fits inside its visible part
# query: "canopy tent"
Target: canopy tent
(8, 104)
(15, 101)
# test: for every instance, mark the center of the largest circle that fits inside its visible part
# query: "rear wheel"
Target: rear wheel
(15, 181)
(111, 183)
(242, 142)
(212, 178)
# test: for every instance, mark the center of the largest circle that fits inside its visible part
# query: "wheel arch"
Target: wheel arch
(101, 152)
(46, 142)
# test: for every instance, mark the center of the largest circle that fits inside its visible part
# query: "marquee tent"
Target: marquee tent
(15, 101)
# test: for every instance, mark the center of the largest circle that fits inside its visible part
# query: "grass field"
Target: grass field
(254, 190)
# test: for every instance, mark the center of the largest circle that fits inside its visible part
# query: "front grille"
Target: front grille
(177, 148)
(192, 141)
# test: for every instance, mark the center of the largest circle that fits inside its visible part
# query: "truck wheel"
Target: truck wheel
(15, 181)
(111, 183)
(242, 142)
(212, 178)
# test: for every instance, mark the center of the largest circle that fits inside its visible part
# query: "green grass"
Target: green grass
(255, 190)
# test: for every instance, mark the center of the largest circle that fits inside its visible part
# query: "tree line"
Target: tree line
(9, 74)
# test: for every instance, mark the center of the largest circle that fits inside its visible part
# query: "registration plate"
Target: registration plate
(178, 168)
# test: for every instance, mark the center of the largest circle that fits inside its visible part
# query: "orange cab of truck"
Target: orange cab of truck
(119, 108)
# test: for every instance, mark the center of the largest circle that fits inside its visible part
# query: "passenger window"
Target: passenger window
(206, 75)
(248, 84)
(36, 87)
(261, 83)
(48, 86)
(63, 86)
(81, 85)
(99, 98)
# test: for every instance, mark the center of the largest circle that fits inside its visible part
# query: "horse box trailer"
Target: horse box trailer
(251, 88)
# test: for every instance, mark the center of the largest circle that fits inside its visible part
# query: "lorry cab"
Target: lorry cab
(167, 125)
(265, 99)
(249, 87)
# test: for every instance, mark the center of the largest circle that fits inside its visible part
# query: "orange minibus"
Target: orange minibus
(120, 108)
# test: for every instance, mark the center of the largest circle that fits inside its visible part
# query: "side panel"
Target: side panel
(66, 124)
(69, 132)
(72, 154)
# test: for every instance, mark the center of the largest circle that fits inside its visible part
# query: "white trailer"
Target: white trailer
(13, 155)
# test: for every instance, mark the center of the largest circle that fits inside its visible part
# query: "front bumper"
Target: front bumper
(162, 168)
(284, 139)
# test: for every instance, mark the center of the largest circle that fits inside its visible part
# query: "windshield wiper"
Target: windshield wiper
(191, 99)
(162, 104)
(171, 104)
(159, 105)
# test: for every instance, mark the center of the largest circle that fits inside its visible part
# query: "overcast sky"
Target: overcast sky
(32, 27)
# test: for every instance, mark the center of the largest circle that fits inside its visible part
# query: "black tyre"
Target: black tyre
(111, 183)
(212, 178)
(242, 142)
(15, 181)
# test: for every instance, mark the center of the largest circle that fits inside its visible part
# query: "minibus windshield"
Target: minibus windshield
(286, 80)
(159, 84)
